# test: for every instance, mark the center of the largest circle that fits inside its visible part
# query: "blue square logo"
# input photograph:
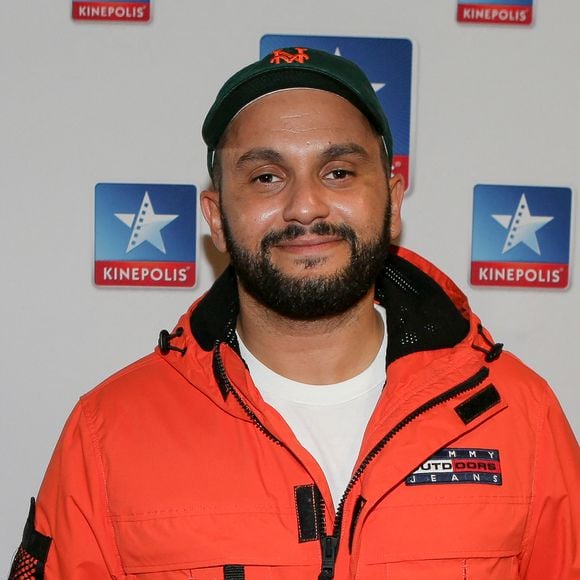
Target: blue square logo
(145, 234)
(388, 63)
(521, 236)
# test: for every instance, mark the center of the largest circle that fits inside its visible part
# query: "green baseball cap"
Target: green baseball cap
(291, 68)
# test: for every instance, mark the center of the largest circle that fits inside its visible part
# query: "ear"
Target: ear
(397, 188)
(209, 201)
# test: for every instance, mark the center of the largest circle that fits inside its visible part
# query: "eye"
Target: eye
(338, 174)
(266, 178)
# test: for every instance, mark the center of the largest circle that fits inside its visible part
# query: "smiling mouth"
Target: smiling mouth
(309, 244)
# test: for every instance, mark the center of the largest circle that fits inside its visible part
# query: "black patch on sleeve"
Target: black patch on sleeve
(234, 572)
(478, 404)
(33, 551)
(305, 497)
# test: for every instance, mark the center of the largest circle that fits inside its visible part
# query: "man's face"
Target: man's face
(304, 208)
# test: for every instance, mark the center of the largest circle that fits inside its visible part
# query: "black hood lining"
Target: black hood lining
(420, 315)
(214, 318)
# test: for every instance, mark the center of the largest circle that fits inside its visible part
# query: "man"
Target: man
(264, 438)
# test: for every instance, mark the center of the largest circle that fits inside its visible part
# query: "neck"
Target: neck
(317, 352)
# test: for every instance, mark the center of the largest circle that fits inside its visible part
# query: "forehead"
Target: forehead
(295, 114)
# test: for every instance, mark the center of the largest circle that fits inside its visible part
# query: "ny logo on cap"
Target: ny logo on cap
(280, 55)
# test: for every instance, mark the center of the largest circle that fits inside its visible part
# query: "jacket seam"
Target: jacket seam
(400, 406)
(511, 500)
(527, 539)
(150, 359)
(449, 554)
(134, 518)
(94, 439)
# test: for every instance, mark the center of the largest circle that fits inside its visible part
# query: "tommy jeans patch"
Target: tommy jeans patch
(459, 465)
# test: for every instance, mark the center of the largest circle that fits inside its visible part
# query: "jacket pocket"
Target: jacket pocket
(226, 572)
(209, 573)
(503, 568)
(214, 546)
(458, 538)
(232, 572)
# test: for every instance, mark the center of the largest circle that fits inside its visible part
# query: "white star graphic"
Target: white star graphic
(522, 226)
(376, 86)
(146, 226)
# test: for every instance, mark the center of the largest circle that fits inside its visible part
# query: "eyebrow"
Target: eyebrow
(330, 153)
(342, 149)
(259, 154)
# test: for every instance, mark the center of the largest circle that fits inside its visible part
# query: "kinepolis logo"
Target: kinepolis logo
(145, 235)
(521, 236)
(495, 11)
(136, 10)
(388, 62)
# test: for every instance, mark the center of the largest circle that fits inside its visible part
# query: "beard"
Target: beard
(309, 298)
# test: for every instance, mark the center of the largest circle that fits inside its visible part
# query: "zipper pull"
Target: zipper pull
(329, 545)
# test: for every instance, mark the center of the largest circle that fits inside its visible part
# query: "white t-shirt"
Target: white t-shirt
(328, 420)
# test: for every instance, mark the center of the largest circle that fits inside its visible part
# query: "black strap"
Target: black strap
(234, 572)
(478, 404)
(305, 497)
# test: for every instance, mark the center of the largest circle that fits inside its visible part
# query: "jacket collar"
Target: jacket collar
(425, 310)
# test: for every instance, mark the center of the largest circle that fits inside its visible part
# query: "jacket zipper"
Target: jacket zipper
(230, 389)
(330, 543)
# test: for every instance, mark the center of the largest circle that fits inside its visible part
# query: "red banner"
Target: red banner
(109, 273)
(136, 11)
(494, 14)
(401, 167)
(537, 275)
(481, 465)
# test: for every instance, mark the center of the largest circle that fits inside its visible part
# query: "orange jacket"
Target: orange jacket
(175, 468)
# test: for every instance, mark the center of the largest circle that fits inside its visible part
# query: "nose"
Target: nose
(306, 202)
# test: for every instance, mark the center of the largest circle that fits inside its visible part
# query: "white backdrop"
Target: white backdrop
(83, 103)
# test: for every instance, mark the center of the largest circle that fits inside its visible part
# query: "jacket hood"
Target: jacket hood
(426, 311)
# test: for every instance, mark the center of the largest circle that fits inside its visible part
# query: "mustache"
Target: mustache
(293, 231)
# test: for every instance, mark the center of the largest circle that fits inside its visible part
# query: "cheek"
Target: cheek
(366, 204)
(263, 217)
(367, 216)
(249, 223)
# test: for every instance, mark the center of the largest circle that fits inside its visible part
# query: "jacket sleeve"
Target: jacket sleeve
(68, 533)
(553, 535)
